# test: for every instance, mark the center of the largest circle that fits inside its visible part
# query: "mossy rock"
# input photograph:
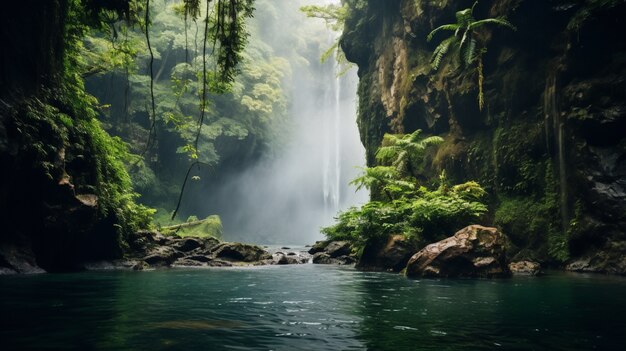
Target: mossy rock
(210, 227)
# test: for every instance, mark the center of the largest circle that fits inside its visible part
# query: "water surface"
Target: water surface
(308, 307)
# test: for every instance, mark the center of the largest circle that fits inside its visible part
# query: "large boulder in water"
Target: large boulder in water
(474, 251)
(240, 252)
(387, 255)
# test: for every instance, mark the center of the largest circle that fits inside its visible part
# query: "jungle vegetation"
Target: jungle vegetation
(402, 202)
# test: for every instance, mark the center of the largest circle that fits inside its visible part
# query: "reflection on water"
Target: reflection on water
(308, 307)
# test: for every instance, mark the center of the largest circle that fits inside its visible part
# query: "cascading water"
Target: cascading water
(555, 131)
(332, 145)
(287, 198)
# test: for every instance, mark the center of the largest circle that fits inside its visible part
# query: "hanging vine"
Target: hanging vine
(229, 38)
(152, 131)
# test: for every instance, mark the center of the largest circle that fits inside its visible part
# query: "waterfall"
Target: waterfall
(286, 199)
(555, 131)
(332, 144)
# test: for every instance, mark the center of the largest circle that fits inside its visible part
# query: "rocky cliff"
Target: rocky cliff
(549, 144)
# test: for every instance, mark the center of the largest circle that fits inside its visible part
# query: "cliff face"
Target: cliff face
(65, 196)
(550, 143)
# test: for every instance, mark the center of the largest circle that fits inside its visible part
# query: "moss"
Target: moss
(208, 227)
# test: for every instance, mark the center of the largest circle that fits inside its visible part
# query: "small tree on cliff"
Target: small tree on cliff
(470, 49)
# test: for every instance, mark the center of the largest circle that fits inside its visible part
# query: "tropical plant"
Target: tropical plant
(405, 152)
(399, 205)
(470, 47)
(335, 17)
(422, 214)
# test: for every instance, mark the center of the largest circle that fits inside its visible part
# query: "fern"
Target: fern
(467, 44)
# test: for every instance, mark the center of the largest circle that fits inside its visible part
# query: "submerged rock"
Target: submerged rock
(391, 255)
(525, 268)
(474, 251)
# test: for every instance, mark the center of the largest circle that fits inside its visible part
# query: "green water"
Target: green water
(308, 307)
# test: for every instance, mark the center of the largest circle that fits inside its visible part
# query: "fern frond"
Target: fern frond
(415, 136)
(440, 51)
(469, 55)
(386, 154)
(451, 27)
(391, 139)
(430, 141)
(499, 21)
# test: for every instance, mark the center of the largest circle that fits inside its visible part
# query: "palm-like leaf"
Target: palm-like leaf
(499, 21)
(440, 51)
(469, 52)
(450, 27)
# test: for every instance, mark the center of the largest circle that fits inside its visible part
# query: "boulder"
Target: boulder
(18, 259)
(319, 246)
(474, 251)
(162, 256)
(240, 252)
(324, 258)
(525, 268)
(390, 255)
(187, 244)
(284, 259)
(338, 248)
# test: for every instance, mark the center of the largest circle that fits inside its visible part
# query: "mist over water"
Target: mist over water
(288, 197)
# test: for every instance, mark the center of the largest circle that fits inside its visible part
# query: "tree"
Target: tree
(470, 48)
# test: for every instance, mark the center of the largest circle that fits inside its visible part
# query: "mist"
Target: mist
(286, 197)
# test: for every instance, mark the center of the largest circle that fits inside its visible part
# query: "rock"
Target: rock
(219, 263)
(199, 258)
(319, 246)
(285, 248)
(525, 268)
(287, 260)
(18, 259)
(240, 252)
(188, 244)
(324, 258)
(474, 251)
(390, 255)
(6, 271)
(607, 259)
(140, 266)
(338, 248)
(184, 262)
(162, 256)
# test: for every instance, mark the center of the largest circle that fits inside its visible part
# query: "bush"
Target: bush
(421, 213)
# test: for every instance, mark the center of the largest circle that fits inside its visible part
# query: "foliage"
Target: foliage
(335, 17)
(236, 110)
(465, 40)
(420, 213)
(208, 227)
(400, 205)
(405, 152)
